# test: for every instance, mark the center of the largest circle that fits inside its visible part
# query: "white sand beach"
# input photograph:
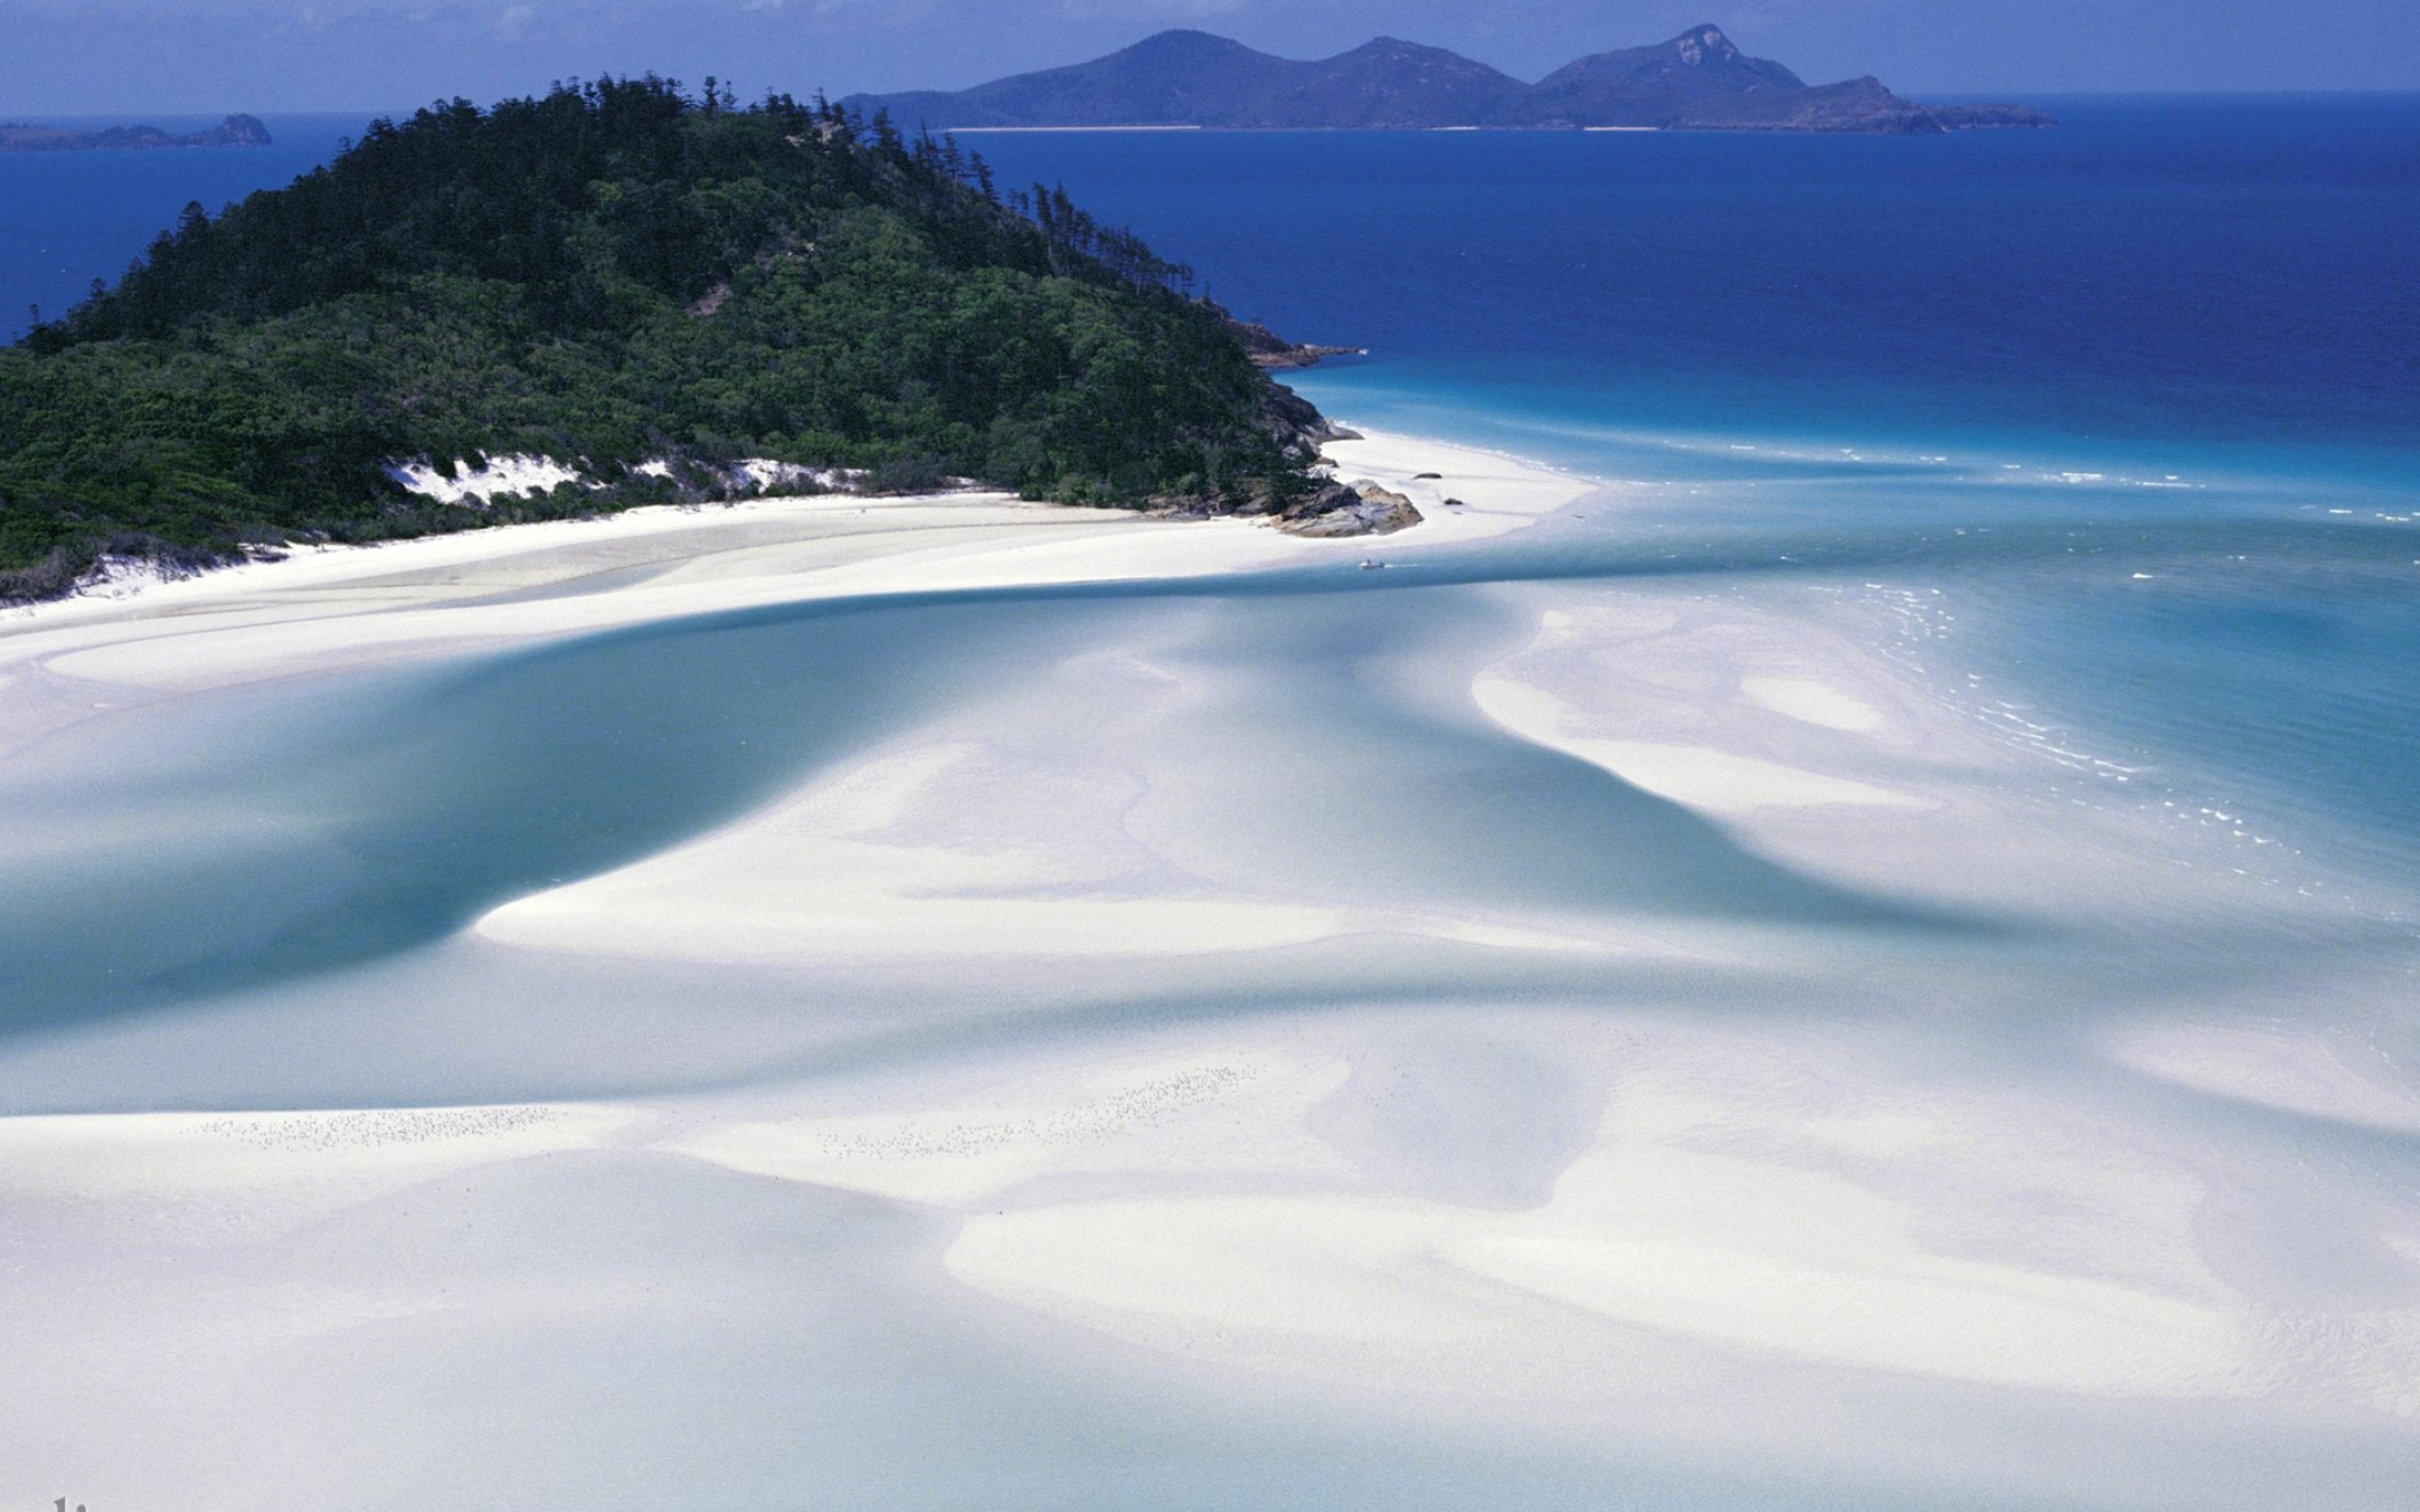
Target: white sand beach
(1039, 1055)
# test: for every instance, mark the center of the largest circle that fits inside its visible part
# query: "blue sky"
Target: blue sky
(162, 56)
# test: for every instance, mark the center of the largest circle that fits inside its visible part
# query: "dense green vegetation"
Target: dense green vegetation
(610, 274)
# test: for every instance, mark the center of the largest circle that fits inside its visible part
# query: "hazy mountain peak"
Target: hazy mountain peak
(1699, 80)
(1186, 40)
(1699, 44)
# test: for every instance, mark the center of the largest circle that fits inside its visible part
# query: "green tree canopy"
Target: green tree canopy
(608, 275)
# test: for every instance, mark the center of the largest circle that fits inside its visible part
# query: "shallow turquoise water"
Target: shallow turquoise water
(181, 852)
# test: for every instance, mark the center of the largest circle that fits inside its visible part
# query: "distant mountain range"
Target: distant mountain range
(1697, 81)
(234, 132)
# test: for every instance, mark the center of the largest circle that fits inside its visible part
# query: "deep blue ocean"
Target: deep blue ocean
(67, 218)
(2141, 393)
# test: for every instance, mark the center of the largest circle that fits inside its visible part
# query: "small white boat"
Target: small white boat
(1371, 563)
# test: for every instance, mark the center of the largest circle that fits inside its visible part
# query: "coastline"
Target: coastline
(1516, 490)
(1535, 1213)
(397, 600)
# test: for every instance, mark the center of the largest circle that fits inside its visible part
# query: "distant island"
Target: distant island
(234, 132)
(618, 294)
(1697, 81)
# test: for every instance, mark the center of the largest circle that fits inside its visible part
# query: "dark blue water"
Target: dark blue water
(67, 218)
(2231, 273)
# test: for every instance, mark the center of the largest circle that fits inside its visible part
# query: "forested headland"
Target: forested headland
(643, 285)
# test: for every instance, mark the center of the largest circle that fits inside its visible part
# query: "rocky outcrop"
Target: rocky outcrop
(1654, 86)
(1305, 356)
(1342, 509)
(1269, 349)
(236, 131)
(1857, 105)
(1296, 423)
(1292, 421)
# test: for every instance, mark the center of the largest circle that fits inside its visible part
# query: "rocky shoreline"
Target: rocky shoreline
(1332, 508)
(1269, 350)
(1350, 510)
